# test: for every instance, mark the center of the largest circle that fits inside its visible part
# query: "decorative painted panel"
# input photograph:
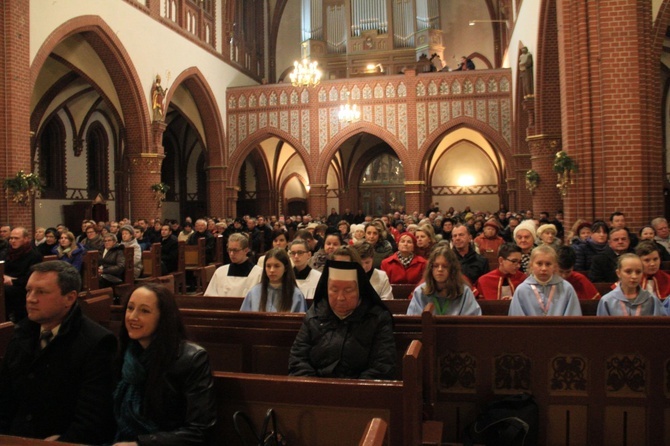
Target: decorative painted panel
(390, 118)
(480, 87)
(283, 120)
(263, 100)
(420, 89)
(304, 96)
(504, 85)
(456, 109)
(232, 133)
(333, 94)
(322, 95)
(295, 124)
(493, 86)
(334, 122)
(294, 97)
(402, 123)
(344, 93)
(323, 128)
(402, 90)
(444, 112)
(232, 102)
(252, 100)
(253, 123)
(432, 89)
(420, 123)
(367, 92)
(367, 113)
(273, 99)
(444, 87)
(283, 98)
(456, 87)
(262, 120)
(493, 114)
(506, 120)
(306, 137)
(242, 127)
(481, 110)
(379, 92)
(274, 122)
(379, 115)
(356, 93)
(432, 117)
(467, 87)
(390, 90)
(243, 101)
(469, 108)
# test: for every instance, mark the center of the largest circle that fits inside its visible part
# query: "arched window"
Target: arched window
(381, 187)
(52, 159)
(97, 161)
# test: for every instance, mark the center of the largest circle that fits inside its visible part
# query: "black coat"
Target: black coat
(64, 389)
(114, 262)
(359, 346)
(603, 266)
(169, 254)
(188, 401)
(473, 265)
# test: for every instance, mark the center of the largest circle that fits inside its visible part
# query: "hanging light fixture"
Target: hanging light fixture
(348, 112)
(305, 74)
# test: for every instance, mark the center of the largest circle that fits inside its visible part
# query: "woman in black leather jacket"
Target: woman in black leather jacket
(165, 395)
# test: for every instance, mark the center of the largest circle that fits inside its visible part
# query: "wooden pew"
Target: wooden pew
(6, 333)
(49, 258)
(151, 263)
(375, 433)
(3, 312)
(9, 440)
(402, 291)
(98, 308)
(89, 271)
(597, 380)
(501, 307)
(190, 258)
(122, 291)
(321, 411)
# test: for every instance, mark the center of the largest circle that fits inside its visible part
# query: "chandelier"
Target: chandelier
(305, 74)
(349, 113)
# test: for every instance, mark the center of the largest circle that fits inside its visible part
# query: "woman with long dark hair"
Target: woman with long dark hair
(164, 395)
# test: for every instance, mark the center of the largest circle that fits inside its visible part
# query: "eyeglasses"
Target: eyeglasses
(514, 261)
(297, 253)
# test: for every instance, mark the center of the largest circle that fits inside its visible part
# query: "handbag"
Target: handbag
(268, 435)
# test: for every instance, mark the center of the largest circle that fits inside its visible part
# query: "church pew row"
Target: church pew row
(596, 380)
(321, 411)
(6, 333)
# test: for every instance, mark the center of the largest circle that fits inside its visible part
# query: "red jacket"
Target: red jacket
(583, 287)
(399, 274)
(661, 284)
(490, 284)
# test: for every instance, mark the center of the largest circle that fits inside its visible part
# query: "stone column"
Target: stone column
(316, 200)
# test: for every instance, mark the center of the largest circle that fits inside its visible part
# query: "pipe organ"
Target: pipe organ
(336, 29)
(368, 15)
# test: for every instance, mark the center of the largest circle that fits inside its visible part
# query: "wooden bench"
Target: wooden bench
(597, 380)
(501, 307)
(89, 271)
(320, 411)
(3, 312)
(375, 433)
(190, 259)
(151, 263)
(98, 308)
(402, 291)
(6, 333)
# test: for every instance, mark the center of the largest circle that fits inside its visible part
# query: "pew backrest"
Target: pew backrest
(6, 333)
(89, 270)
(3, 315)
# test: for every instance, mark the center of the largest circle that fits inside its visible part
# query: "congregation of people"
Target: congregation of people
(66, 378)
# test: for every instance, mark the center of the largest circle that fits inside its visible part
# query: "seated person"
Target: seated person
(473, 264)
(629, 298)
(165, 393)
(57, 380)
(51, 237)
(20, 257)
(603, 266)
(489, 240)
(169, 250)
(546, 234)
(306, 277)
(128, 240)
(331, 242)
(279, 240)
(649, 233)
(239, 276)
(112, 263)
(145, 243)
(378, 278)
(404, 266)
(278, 291)
(375, 235)
(347, 332)
(544, 293)
(70, 251)
(93, 240)
(445, 287)
(500, 284)
(654, 280)
(566, 263)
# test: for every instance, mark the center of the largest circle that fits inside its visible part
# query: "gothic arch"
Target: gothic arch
(121, 70)
(334, 144)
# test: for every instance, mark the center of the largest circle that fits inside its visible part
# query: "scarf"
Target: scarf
(61, 252)
(128, 398)
(405, 260)
(15, 254)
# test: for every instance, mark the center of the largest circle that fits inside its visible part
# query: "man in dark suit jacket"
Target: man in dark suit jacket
(57, 377)
(603, 266)
(169, 250)
(20, 257)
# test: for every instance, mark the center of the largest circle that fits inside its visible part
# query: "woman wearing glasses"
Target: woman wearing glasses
(445, 287)
(500, 283)
(306, 277)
